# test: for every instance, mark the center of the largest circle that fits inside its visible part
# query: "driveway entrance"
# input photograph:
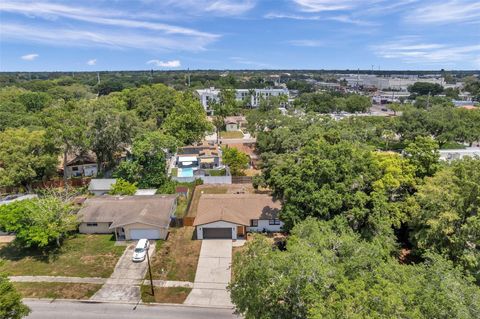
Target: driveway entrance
(213, 275)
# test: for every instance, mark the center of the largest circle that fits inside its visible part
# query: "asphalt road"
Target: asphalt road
(81, 310)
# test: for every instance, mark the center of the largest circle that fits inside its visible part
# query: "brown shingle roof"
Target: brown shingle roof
(235, 208)
(152, 210)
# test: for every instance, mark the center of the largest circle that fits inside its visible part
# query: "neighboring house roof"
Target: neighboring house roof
(154, 210)
(235, 119)
(144, 192)
(74, 159)
(101, 184)
(235, 208)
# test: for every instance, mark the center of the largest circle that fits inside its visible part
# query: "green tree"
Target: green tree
(423, 154)
(425, 88)
(122, 187)
(187, 121)
(357, 103)
(445, 214)
(39, 222)
(25, 157)
(110, 129)
(11, 306)
(148, 165)
(35, 101)
(67, 127)
(329, 271)
(237, 161)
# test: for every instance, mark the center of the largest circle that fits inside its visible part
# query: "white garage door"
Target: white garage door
(145, 233)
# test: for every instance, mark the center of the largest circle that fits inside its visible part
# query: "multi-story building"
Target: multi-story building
(251, 96)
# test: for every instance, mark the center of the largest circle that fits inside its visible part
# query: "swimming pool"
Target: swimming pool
(185, 172)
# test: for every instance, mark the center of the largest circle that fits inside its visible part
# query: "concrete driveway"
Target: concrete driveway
(125, 281)
(213, 275)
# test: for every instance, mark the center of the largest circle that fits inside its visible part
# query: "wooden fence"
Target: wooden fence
(55, 183)
(242, 179)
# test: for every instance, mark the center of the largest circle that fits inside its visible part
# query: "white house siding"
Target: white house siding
(219, 224)
(128, 228)
(101, 228)
(264, 224)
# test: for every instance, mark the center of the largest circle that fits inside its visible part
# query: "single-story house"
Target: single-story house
(128, 217)
(454, 154)
(202, 156)
(83, 164)
(101, 186)
(232, 215)
(234, 123)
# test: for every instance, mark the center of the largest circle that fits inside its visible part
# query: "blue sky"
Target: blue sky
(239, 34)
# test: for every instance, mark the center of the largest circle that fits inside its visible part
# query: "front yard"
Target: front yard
(231, 134)
(177, 257)
(56, 290)
(80, 256)
(165, 294)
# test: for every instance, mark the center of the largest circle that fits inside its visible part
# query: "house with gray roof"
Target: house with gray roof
(101, 186)
(128, 217)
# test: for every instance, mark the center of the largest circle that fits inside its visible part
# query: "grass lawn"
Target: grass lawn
(232, 134)
(177, 257)
(206, 190)
(80, 256)
(165, 295)
(56, 290)
(453, 146)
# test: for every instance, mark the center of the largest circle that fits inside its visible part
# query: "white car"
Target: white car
(140, 252)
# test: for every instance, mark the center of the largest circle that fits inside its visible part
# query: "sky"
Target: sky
(96, 35)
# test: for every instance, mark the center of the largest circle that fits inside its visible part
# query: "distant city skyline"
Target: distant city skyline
(244, 34)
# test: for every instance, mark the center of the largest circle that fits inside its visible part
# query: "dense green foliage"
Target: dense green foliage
(39, 222)
(329, 271)
(425, 88)
(445, 214)
(236, 160)
(11, 306)
(330, 102)
(122, 187)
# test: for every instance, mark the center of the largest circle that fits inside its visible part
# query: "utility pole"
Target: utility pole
(150, 272)
(188, 76)
(428, 100)
(98, 77)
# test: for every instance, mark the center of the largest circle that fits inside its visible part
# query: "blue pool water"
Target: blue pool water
(186, 172)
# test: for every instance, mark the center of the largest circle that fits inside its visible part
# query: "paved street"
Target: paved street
(213, 275)
(79, 310)
(124, 283)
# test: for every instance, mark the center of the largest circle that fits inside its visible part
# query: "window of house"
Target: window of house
(92, 224)
(74, 168)
(274, 221)
(254, 223)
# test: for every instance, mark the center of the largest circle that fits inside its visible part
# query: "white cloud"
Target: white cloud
(414, 50)
(104, 38)
(306, 43)
(127, 33)
(453, 11)
(325, 5)
(92, 62)
(217, 7)
(165, 64)
(29, 57)
(113, 18)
